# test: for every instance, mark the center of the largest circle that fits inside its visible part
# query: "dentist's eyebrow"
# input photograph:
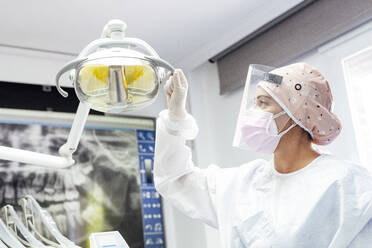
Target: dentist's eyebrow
(268, 97)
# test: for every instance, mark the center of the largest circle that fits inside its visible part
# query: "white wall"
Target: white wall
(216, 115)
(27, 66)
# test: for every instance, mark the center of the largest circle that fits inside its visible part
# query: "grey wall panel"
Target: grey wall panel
(308, 28)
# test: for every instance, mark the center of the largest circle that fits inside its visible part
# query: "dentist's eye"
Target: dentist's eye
(262, 103)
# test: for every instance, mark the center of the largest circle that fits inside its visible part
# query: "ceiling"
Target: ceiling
(186, 33)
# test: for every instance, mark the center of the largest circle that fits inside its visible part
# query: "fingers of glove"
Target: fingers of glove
(171, 85)
(168, 99)
(178, 82)
(168, 89)
(176, 79)
(182, 79)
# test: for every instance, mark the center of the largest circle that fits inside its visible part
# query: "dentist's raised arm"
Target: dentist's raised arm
(189, 188)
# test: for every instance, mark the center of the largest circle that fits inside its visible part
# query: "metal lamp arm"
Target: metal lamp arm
(76, 131)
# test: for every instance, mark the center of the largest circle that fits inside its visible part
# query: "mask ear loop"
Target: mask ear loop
(289, 128)
(279, 114)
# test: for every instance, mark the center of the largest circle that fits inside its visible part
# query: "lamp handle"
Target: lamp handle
(69, 66)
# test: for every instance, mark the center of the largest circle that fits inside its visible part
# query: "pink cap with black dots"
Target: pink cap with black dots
(305, 95)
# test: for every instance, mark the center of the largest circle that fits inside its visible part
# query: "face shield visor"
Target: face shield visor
(262, 109)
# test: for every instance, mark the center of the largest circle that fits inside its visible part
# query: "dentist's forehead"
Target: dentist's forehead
(261, 92)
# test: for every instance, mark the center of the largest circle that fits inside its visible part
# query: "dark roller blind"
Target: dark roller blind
(305, 29)
(38, 97)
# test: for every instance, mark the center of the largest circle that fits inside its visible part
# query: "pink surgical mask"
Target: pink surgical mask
(259, 131)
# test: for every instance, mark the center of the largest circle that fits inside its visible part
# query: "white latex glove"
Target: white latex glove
(176, 91)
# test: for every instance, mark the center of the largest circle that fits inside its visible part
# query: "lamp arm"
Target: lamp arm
(76, 130)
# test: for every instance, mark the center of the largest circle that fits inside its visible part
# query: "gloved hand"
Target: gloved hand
(176, 91)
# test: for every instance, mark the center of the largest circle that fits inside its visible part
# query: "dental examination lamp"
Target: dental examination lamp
(113, 74)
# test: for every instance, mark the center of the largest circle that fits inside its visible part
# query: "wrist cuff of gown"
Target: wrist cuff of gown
(186, 128)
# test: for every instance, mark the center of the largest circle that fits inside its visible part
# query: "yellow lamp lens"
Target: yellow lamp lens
(93, 79)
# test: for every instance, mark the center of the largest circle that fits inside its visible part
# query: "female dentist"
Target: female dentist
(300, 198)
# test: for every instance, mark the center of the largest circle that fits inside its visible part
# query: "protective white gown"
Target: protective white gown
(326, 204)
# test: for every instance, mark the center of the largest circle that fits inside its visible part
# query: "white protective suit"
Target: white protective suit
(325, 204)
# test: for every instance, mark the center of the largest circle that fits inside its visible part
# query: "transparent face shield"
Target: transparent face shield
(258, 98)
